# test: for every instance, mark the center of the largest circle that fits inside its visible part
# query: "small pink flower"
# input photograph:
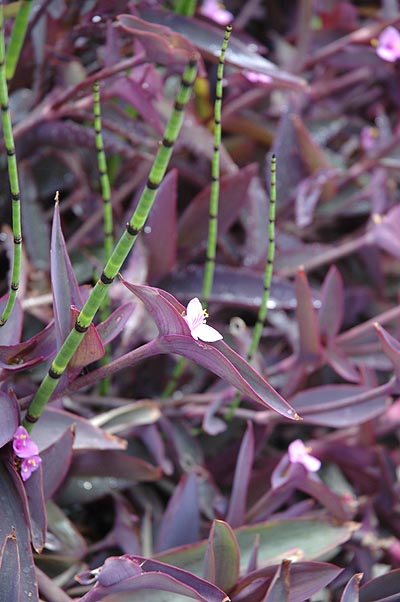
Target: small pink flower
(388, 46)
(256, 78)
(23, 445)
(196, 320)
(29, 465)
(215, 11)
(298, 452)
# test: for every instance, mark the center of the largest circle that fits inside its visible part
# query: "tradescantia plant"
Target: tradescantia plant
(264, 466)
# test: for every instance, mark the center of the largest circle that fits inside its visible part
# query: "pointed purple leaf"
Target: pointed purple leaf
(37, 510)
(309, 345)
(279, 588)
(341, 364)
(351, 591)
(330, 315)
(180, 523)
(244, 465)
(384, 588)
(218, 357)
(391, 347)
(9, 412)
(386, 232)
(63, 280)
(89, 350)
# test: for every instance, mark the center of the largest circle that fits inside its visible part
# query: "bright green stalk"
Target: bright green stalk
(214, 193)
(186, 7)
(213, 211)
(12, 176)
(120, 252)
(262, 313)
(104, 180)
(17, 38)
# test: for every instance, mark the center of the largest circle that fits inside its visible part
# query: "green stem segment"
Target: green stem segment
(214, 193)
(12, 176)
(262, 313)
(209, 269)
(17, 38)
(104, 180)
(119, 253)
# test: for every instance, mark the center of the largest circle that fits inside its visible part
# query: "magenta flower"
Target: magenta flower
(23, 445)
(196, 320)
(215, 11)
(388, 46)
(298, 452)
(29, 465)
(256, 78)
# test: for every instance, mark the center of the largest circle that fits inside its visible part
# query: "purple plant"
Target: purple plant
(121, 491)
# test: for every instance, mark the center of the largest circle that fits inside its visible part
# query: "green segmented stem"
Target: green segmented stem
(17, 37)
(120, 252)
(104, 180)
(12, 176)
(262, 313)
(213, 211)
(214, 192)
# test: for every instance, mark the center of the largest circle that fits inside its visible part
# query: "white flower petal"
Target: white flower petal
(193, 310)
(205, 333)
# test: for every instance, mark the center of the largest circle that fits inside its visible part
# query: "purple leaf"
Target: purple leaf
(351, 591)
(54, 422)
(386, 232)
(56, 460)
(135, 575)
(339, 405)
(37, 510)
(10, 568)
(14, 514)
(89, 350)
(193, 223)
(309, 345)
(244, 465)
(279, 588)
(338, 360)
(391, 347)
(218, 357)
(330, 315)
(38, 348)
(160, 234)
(115, 323)
(181, 521)
(63, 280)
(222, 556)
(9, 411)
(160, 43)
(384, 588)
(208, 39)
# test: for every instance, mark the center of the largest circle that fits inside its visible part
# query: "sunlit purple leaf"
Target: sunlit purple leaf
(279, 588)
(244, 464)
(351, 591)
(330, 315)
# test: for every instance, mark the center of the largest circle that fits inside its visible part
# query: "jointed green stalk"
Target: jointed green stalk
(213, 211)
(214, 194)
(262, 313)
(104, 180)
(13, 178)
(120, 252)
(17, 37)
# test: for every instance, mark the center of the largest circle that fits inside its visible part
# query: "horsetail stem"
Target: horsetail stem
(104, 180)
(262, 312)
(214, 192)
(12, 176)
(213, 211)
(17, 38)
(120, 252)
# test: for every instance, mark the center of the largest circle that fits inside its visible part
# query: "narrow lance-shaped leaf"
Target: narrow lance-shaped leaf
(222, 558)
(244, 465)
